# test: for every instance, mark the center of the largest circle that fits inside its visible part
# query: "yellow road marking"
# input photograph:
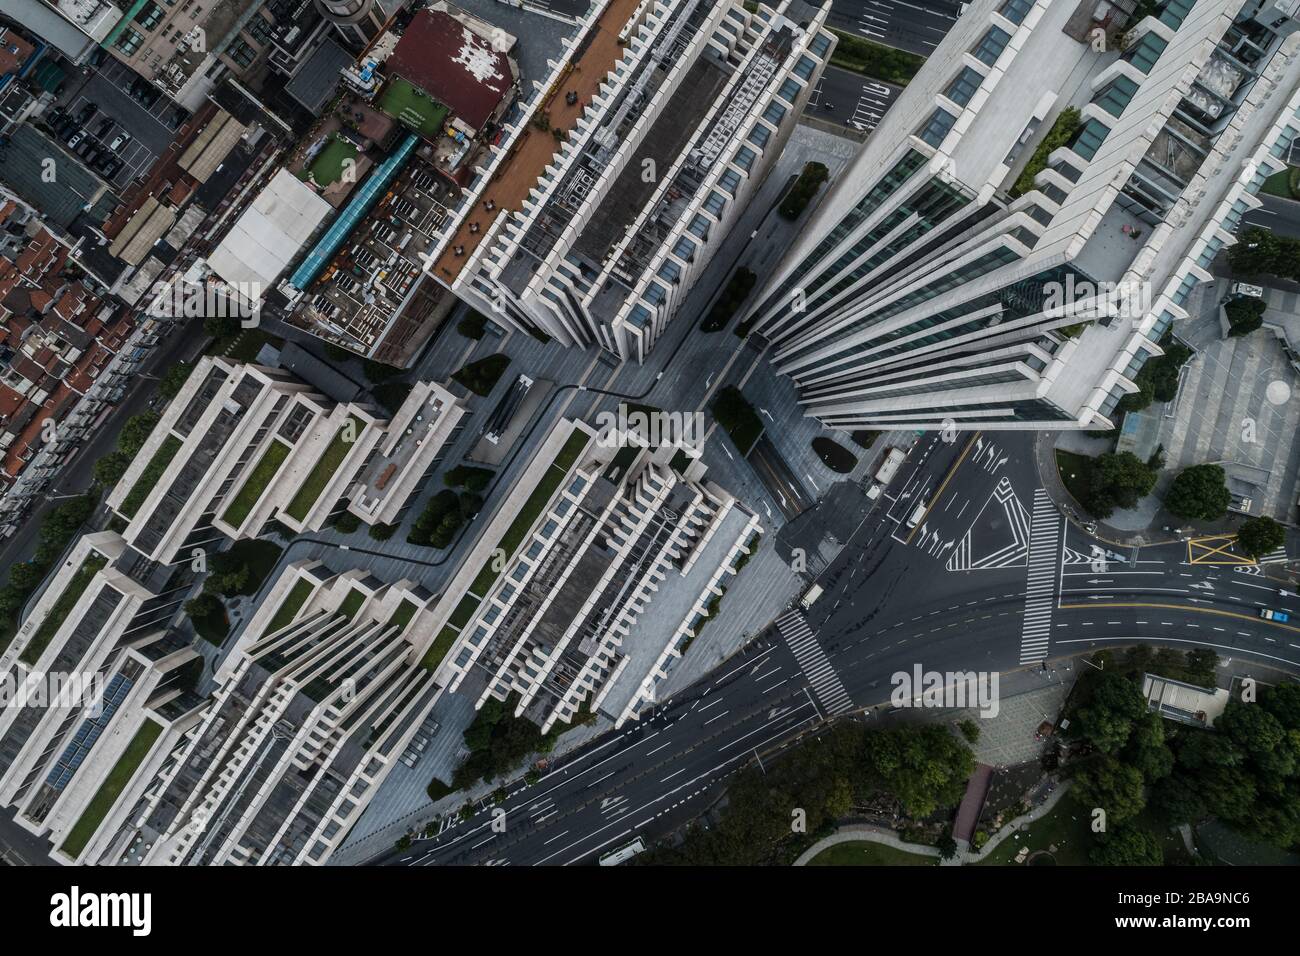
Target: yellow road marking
(939, 494)
(1222, 545)
(1186, 607)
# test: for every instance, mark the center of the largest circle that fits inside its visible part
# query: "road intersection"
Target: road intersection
(991, 578)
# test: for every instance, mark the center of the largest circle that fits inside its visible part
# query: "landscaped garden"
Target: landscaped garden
(91, 566)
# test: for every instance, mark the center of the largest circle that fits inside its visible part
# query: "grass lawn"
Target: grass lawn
(327, 167)
(149, 477)
(1280, 184)
(112, 787)
(433, 657)
(1066, 827)
(258, 479)
(1076, 472)
(325, 468)
(866, 853)
(291, 605)
(402, 101)
(352, 603)
(62, 608)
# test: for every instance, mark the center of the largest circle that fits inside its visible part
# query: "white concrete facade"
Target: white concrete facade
(661, 165)
(931, 291)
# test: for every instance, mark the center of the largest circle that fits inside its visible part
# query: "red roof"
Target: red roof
(453, 64)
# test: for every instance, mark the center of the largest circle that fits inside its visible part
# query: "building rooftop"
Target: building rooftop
(270, 233)
(454, 64)
(316, 80)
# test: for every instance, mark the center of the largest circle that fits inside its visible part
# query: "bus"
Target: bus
(623, 853)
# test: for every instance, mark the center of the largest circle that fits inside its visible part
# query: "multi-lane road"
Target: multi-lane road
(989, 577)
(913, 25)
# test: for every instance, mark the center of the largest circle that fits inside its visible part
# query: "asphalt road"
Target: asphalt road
(1281, 216)
(916, 26)
(947, 592)
(78, 473)
(851, 99)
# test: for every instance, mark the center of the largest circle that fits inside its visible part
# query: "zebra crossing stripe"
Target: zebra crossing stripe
(1040, 589)
(814, 663)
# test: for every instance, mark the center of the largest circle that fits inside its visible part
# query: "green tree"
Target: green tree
(925, 767)
(1113, 786)
(346, 522)
(174, 379)
(970, 730)
(221, 328)
(26, 576)
(204, 605)
(1258, 252)
(1199, 493)
(135, 431)
(1259, 536)
(1127, 846)
(1113, 705)
(1146, 749)
(1117, 481)
(1245, 315)
(111, 467)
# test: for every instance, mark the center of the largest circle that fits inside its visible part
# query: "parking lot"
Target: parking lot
(150, 129)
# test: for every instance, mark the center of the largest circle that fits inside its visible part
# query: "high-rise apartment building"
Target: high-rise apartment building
(605, 201)
(1021, 231)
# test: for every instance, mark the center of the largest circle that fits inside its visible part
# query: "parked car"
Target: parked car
(119, 141)
(104, 127)
(97, 58)
(86, 112)
(77, 139)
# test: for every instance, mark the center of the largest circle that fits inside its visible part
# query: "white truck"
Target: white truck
(813, 594)
(885, 473)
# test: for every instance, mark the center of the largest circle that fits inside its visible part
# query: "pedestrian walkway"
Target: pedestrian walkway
(1040, 593)
(816, 666)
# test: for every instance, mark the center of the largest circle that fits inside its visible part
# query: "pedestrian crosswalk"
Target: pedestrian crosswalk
(1040, 590)
(1274, 557)
(813, 661)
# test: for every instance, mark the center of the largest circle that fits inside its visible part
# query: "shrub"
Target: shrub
(479, 377)
(738, 287)
(886, 63)
(346, 522)
(1062, 131)
(803, 190)
(1245, 315)
(382, 532)
(737, 417)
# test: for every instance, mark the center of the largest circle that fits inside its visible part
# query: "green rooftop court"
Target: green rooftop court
(85, 574)
(404, 101)
(327, 167)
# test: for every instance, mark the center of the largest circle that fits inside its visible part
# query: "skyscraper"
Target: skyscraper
(1026, 224)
